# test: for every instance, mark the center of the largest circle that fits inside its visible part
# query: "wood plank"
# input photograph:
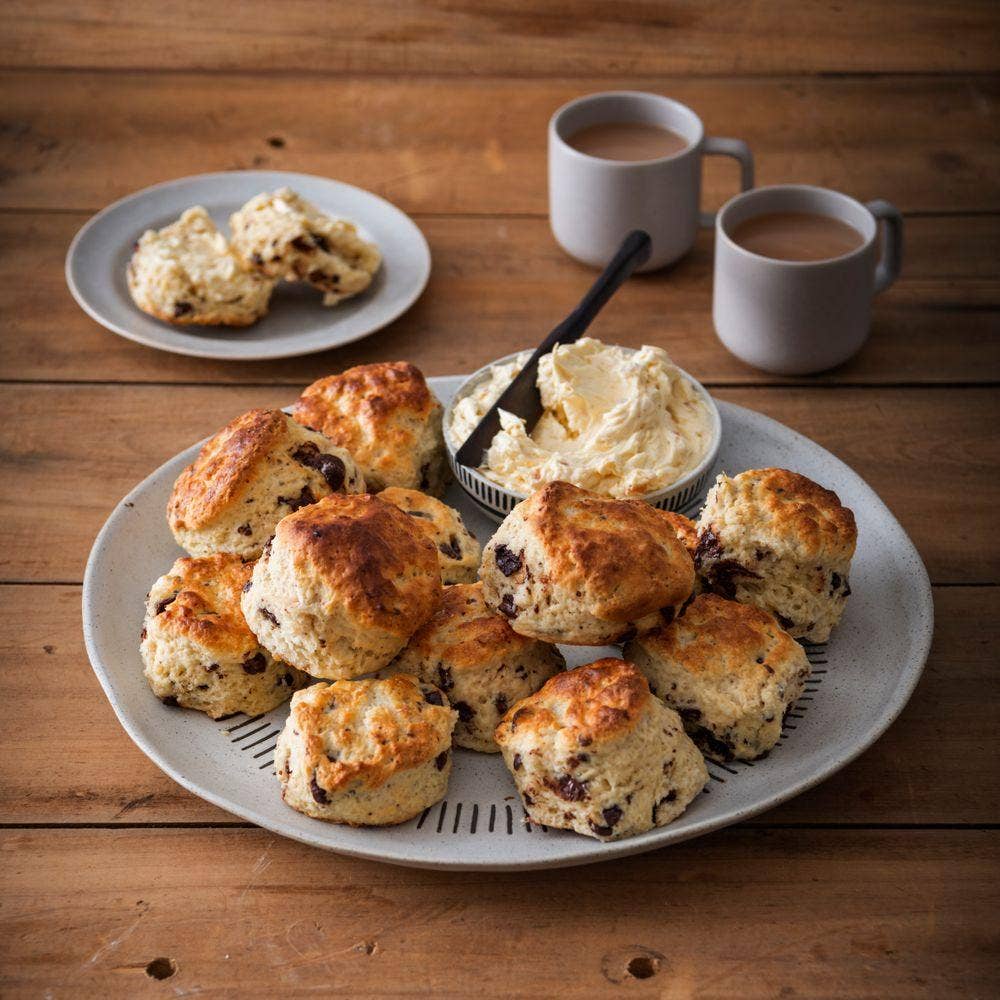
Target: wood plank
(951, 726)
(69, 453)
(524, 38)
(499, 283)
(449, 145)
(893, 914)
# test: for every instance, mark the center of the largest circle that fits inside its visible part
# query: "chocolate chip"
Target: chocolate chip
(164, 604)
(254, 663)
(669, 797)
(170, 700)
(257, 259)
(319, 794)
(689, 714)
(453, 549)
(507, 562)
(182, 309)
(584, 741)
(302, 500)
(568, 788)
(516, 762)
(576, 759)
(269, 617)
(440, 760)
(433, 697)
(708, 547)
(302, 244)
(500, 701)
(244, 529)
(507, 606)
(465, 712)
(330, 467)
(267, 546)
(247, 585)
(444, 679)
(320, 241)
(611, 816)
(723, 575)
(202, 687)
(212, 667)
(419, 513)
(143, 634)
(517, 715)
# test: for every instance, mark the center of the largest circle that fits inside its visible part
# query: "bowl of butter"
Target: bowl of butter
(620, 422)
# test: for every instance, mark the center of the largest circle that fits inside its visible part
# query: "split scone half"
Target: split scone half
(197, 648)
(365, 753)
(281, 235)
(776, 539)
(186, 273)
(479, 661)
(593, 751)
(729, 670)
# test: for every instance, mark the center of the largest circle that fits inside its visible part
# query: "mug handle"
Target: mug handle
(738, 150)
(892, 249)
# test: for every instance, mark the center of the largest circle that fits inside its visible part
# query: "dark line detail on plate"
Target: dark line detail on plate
(510, 821)
(252, 732)
(247, 723)
(493, 817)
(263, 739)
(423, 816)
(444, 809)
(458, 817)
(265, 750)
(475, 818)
(269, 763)
(527, 821)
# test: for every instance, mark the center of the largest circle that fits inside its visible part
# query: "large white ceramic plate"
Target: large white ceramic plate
(860, 682)
(298, 322)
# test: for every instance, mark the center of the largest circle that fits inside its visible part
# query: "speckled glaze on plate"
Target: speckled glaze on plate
(298, 322)
(861, 680)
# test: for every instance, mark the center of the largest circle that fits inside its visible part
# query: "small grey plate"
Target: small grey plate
(298, 322)
(860, 682)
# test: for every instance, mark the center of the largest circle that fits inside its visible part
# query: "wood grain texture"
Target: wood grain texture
(75, 451)
(888, 914)
(518, 37)
(908, 776)
(498, 284)
(440, 145)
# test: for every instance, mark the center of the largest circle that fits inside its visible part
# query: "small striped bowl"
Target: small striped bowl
(497, 501)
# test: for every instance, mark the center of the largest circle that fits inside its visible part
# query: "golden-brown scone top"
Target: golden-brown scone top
(202, 603)
(367, 730)
(232, 459)
(807, 517)
(381, 566)
(596, 703)
(385, 415)
(464, 632)
(717, 638)
(685, 529)
(623, 554)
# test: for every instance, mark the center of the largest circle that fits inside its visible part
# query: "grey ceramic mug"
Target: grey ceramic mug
(594, 203)
(800, 317)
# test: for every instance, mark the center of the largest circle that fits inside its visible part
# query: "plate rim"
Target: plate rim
(195, 352)
(599, 851)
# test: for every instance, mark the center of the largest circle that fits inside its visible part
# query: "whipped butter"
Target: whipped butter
(619, 422)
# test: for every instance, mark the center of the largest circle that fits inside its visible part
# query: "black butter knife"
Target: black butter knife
(521, 397)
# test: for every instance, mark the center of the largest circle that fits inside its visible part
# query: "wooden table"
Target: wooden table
(116, 882)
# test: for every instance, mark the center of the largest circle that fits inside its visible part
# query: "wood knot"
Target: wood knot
(632, 962)
(161, 968)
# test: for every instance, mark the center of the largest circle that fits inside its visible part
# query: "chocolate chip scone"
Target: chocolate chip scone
(458, 550)
(248, 476)
(197, 648)
(776, 539)
(729, 670)
(186, 273)
(366, 753)
(593, 751)
(281, 235)
(342, 586)
(479, 661)
(569, 566)
(387, 417)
